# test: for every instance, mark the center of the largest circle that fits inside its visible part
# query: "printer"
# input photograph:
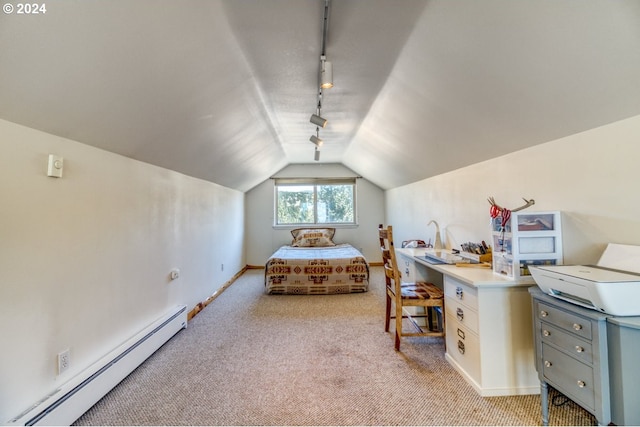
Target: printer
(612, 286)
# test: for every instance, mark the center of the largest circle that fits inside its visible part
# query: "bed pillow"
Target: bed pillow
(313, 237)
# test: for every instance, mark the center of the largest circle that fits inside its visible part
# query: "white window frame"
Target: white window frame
(314, 182)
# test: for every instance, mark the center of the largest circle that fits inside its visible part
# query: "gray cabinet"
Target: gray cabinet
(624, 347)
(571, 354)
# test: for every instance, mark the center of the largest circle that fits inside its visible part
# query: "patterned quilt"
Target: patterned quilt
(336, 269)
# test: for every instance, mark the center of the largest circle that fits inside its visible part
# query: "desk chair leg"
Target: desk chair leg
(430, 318)
(387, 314)
(398, 325)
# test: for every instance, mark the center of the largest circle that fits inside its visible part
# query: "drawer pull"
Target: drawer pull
(579, 349)
(460, 314)
(460, 347)
(460, 333)
(543, 313)
(581, 384)
(577, 326)
(406, 272)
(547, 363)
(459, 292)
(546, 333)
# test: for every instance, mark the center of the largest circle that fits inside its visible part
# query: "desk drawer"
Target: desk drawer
(461, 292)
(567, 342)
(463, 314)
(464, 347)
(568, 321)
(573, 378)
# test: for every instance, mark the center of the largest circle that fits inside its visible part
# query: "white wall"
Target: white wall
(591, 177)
(85, 259)
(263, 238)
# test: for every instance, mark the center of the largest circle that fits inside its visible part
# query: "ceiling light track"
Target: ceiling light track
(325, 27)
(325, 81)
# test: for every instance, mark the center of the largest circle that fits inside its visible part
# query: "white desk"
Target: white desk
(488, 324)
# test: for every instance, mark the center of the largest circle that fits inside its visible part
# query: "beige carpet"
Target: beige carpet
(254, 359)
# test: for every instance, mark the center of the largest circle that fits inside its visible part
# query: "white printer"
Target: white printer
(611, 286)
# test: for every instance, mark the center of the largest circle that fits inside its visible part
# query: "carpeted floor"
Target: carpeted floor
(254, 359)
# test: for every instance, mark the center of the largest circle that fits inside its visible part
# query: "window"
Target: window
(311, 201)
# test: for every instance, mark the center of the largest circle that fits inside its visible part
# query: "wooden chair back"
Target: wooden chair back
(419, 294)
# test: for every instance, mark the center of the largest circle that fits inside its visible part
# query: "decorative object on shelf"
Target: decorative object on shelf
(528, 238)
(498, 211)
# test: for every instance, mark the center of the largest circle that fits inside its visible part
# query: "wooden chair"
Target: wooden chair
(419, 294)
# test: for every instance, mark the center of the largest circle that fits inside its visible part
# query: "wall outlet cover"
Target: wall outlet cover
(64, 361)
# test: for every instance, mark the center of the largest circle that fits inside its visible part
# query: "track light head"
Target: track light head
(318, 121)
(326, 75)
(316, 155)
(316, 140)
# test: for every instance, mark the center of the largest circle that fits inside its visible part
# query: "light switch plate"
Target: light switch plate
(55, 166)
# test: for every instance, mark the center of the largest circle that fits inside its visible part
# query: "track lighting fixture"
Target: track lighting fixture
(325, 81)
(316, 140)
(326, 73)
(318, 121)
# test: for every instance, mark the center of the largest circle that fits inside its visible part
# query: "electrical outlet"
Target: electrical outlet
(64, 361)
(221, 267)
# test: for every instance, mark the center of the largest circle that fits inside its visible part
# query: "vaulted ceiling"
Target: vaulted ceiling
(223, 89)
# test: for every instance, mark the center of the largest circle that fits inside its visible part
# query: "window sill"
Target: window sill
(294, 226)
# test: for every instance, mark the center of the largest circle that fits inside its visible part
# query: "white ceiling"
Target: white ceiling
(223, 89)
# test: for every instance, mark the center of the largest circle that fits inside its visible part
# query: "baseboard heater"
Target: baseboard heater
(66, 404)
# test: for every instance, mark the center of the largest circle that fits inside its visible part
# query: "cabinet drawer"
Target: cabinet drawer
(463, 346)
(569, 343)
(568, 321)
(457, 290)
(463, 314)
(573, 378)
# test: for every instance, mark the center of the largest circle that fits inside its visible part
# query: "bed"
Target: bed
(314, 264)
